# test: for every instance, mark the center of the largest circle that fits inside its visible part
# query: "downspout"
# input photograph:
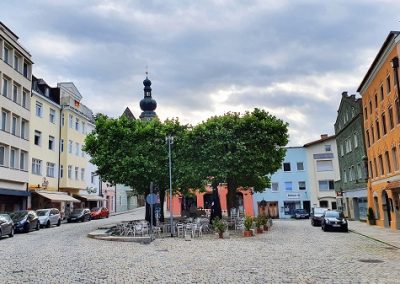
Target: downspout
(59, 151)
(395, 66)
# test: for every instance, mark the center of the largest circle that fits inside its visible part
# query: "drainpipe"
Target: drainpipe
(59, 152)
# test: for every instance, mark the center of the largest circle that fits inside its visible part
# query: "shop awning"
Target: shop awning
(13, 192)
(91, 197)
(57, 196)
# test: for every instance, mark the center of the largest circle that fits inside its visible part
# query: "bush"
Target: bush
(259, 221)
(219, 225)
(248, 222)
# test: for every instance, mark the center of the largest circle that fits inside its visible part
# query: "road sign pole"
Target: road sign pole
(151, 211)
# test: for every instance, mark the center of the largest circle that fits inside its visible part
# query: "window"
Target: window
(397, 111)
(5, 87)
(70, 120)
(348, 145)
(371, 173)
(359, 171)
(381, 169)
(286, 167)
(372, 133)
(83, 127)
(6, 54)
(25, 70)
(92, 174)
(69, 171)
(376, 168)
(302, 185)
(365, 113)
(52, 116)
(288, 185)
(61, 171)
(391, 121)
(24, 99)
(16, 62)
(351, 173)
(82, 152)
(323, 204)
(77, 148)
(388, 85)
(328, 148)
(367, 136)
(378, 134)
(51, 143)
(62, 119)
(82, 174)
(384, 123)
(62, 145)
(2, 155)
(344, 176)
(381, 92)
(36, 167)
(50, 169)
(275, 186)
(355, 140)
(70, 146)
(4, 122)
(37, 139)
(394, 157)
(39, 109)
(376, 100)
(77, 124)
(388, 166)
(13, 158)
(15, 94)
(341, 150)
(300, 166)
(324, 165)
(22, 160)
(14, 125)
(325, 185)
(76, 172)
(370, 107)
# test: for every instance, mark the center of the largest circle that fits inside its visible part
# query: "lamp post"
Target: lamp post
(170, 140)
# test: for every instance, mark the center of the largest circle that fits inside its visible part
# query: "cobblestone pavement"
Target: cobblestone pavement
(292, 252)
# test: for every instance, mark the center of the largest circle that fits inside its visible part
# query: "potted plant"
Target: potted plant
(264, 222)
(219, 226)
(248, 223)
(371, 216)
(259, 224)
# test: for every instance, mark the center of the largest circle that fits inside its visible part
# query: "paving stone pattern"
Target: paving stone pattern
(292, 252)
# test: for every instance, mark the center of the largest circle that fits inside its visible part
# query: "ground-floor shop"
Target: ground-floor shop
(384, 199)
(13, 200)
(354, 204)
(283, 209)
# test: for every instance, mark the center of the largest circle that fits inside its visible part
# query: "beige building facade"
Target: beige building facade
(15, 89)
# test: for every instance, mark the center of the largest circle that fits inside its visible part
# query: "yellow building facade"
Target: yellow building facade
(380, 98)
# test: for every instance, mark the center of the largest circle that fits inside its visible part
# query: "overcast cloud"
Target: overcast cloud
(291, 58)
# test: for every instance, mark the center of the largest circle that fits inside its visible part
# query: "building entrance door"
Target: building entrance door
(307, 206)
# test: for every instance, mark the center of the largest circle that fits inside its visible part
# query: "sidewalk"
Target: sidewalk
(384, 235)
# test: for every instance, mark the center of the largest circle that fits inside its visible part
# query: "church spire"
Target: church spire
(147, 104)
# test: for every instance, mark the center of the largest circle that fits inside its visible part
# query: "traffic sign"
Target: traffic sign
(151, 198)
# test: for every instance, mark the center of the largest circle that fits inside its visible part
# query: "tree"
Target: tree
(240, 150)
(132, 152)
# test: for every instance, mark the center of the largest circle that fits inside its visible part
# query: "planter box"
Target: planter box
(248, 233)
(259, 230)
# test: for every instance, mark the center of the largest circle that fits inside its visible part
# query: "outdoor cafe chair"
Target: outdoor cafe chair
(180, 229)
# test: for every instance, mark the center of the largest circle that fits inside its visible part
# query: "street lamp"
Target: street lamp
(170, 140)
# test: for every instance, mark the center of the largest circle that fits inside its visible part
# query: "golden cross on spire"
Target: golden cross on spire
(147, 70)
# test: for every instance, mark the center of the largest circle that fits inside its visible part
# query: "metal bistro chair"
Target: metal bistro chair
(180, 229)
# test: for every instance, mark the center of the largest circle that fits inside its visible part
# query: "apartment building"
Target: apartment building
(381, 106)
(323, 171)
(15, 86)
(353, 166)
(290, 187)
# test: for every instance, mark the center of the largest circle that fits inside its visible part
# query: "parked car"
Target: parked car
(99, 212)
(334, 220)
(6, 225)
(301, 214)
(81, 214)
(25, 221)
(316, 215)
(48, 217)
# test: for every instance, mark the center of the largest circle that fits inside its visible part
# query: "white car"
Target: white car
(49, 217)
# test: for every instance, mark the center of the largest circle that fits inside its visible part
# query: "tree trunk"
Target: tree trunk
(231, 196)
(216, 205)
(162, 198)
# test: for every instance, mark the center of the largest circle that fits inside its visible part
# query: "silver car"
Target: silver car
(49, 217)
(6, 225)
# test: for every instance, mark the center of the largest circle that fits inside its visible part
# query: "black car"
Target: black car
(6, 225)
(316, 215)
(25, 221)
(334, 220)
(79, 215)
(301, 214)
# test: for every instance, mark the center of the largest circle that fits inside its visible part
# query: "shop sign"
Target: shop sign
(293, 195)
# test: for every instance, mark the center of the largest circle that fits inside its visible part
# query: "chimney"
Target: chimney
(324, 136)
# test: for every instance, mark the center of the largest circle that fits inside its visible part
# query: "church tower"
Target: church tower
(147, 104)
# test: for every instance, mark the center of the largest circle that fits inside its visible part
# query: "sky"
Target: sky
(204, 58)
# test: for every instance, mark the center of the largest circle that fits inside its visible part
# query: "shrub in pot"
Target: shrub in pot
(259, 224)
(248, 223)
(219, 226)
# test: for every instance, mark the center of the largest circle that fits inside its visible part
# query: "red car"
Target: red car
(99, 212)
